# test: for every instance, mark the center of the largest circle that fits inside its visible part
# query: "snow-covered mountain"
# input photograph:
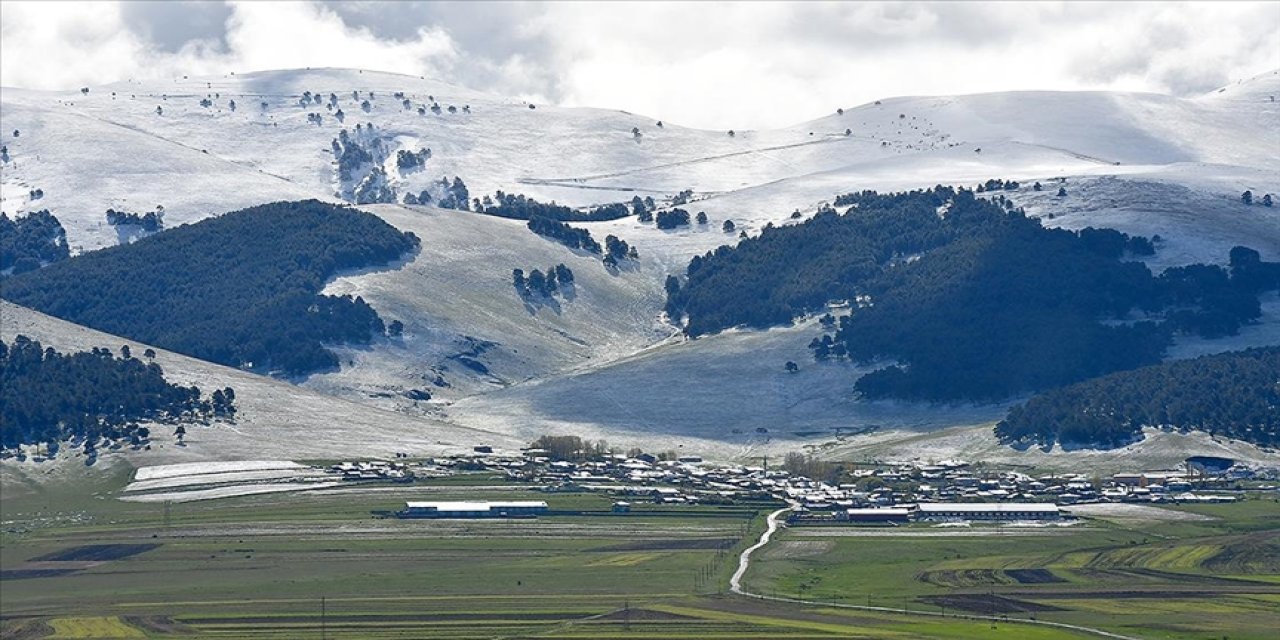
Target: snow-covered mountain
(604, 363)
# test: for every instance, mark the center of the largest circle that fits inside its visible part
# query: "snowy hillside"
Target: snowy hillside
(275, 419)
(601, 361)
(458, 305)
(116, 150)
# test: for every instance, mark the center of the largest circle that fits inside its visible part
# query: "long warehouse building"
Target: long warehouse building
(514, 509)
(1001, 511)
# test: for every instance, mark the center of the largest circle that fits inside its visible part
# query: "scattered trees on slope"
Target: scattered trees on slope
(617, 250)
(407, 161)
(374, 188)
(350, 155)
(997, 184)
(359, 155)
(151, 221)
(571, 237)
(520, 207)
(455, 195)
(539, 284)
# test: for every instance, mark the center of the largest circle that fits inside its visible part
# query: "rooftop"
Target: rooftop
(1001, 507)
(476, 506)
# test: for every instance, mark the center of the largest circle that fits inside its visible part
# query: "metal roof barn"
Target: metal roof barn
(987, 511)
(512, 509)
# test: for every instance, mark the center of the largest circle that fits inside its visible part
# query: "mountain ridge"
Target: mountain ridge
(200, 161)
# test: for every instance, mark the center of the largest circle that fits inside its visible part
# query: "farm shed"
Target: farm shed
(889, 514)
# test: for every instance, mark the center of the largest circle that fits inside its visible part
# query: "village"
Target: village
(948, 490)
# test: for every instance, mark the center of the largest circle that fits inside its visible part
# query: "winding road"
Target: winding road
(773, 523)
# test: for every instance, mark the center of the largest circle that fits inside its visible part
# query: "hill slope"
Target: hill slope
(190, 156)
(239, 289)
(275, 419)
(604, 362)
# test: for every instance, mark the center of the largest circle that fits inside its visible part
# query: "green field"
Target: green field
(1152, 579)
(262, 564)
(312, 564)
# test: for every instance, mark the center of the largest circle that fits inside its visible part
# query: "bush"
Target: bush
(31, 241)
(672, 219)
(151, 221)
(542, 284)
(571, 237)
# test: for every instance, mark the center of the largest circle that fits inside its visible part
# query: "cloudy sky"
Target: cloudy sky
(716, 65)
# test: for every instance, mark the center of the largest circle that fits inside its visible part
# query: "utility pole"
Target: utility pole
(992, 596)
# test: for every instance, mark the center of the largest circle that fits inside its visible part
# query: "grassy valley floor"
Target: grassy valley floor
(320, 564)
(1169, 572)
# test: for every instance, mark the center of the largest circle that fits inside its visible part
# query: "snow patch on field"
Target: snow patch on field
(228, 492)
(234, 477)
(155, 472)
(1128, 513)
(789, 549)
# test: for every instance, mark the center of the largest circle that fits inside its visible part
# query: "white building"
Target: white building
(514, 509)
(991, 511)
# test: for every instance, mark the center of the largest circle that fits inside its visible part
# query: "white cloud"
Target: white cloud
(61, 45)
(740, 66)
(268, 35)
(1184, 49)
(41, 44)
(722, 65)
